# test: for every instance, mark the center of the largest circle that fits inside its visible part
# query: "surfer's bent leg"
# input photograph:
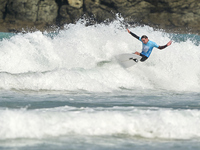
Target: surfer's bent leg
(143, 58)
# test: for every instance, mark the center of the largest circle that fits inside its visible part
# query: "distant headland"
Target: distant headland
(182, 16)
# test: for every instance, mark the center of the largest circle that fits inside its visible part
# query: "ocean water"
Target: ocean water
(65, 90)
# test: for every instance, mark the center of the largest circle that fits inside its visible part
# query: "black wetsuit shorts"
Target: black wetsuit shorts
(143, 58)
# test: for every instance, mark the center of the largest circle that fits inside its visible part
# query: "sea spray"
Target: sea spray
(83, 58)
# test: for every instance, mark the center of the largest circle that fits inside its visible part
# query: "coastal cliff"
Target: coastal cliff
(173, 15)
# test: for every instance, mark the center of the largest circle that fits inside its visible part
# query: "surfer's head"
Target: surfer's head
(144, 39)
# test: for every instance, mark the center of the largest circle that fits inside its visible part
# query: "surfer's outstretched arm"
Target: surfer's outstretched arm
(168, 44)
(133, 34)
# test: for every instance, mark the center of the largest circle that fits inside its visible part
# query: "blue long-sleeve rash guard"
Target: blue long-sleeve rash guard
(147, 48)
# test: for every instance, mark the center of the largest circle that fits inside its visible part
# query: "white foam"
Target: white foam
(69, 61)
(146, 123)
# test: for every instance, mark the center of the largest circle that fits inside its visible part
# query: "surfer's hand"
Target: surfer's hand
(137, 53)
(169, 43)
(128, 31)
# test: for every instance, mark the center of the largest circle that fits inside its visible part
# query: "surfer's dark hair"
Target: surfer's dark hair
(144, 36)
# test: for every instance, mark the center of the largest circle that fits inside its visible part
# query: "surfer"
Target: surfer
(147, 46)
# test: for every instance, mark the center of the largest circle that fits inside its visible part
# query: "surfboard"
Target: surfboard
(127, 60)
